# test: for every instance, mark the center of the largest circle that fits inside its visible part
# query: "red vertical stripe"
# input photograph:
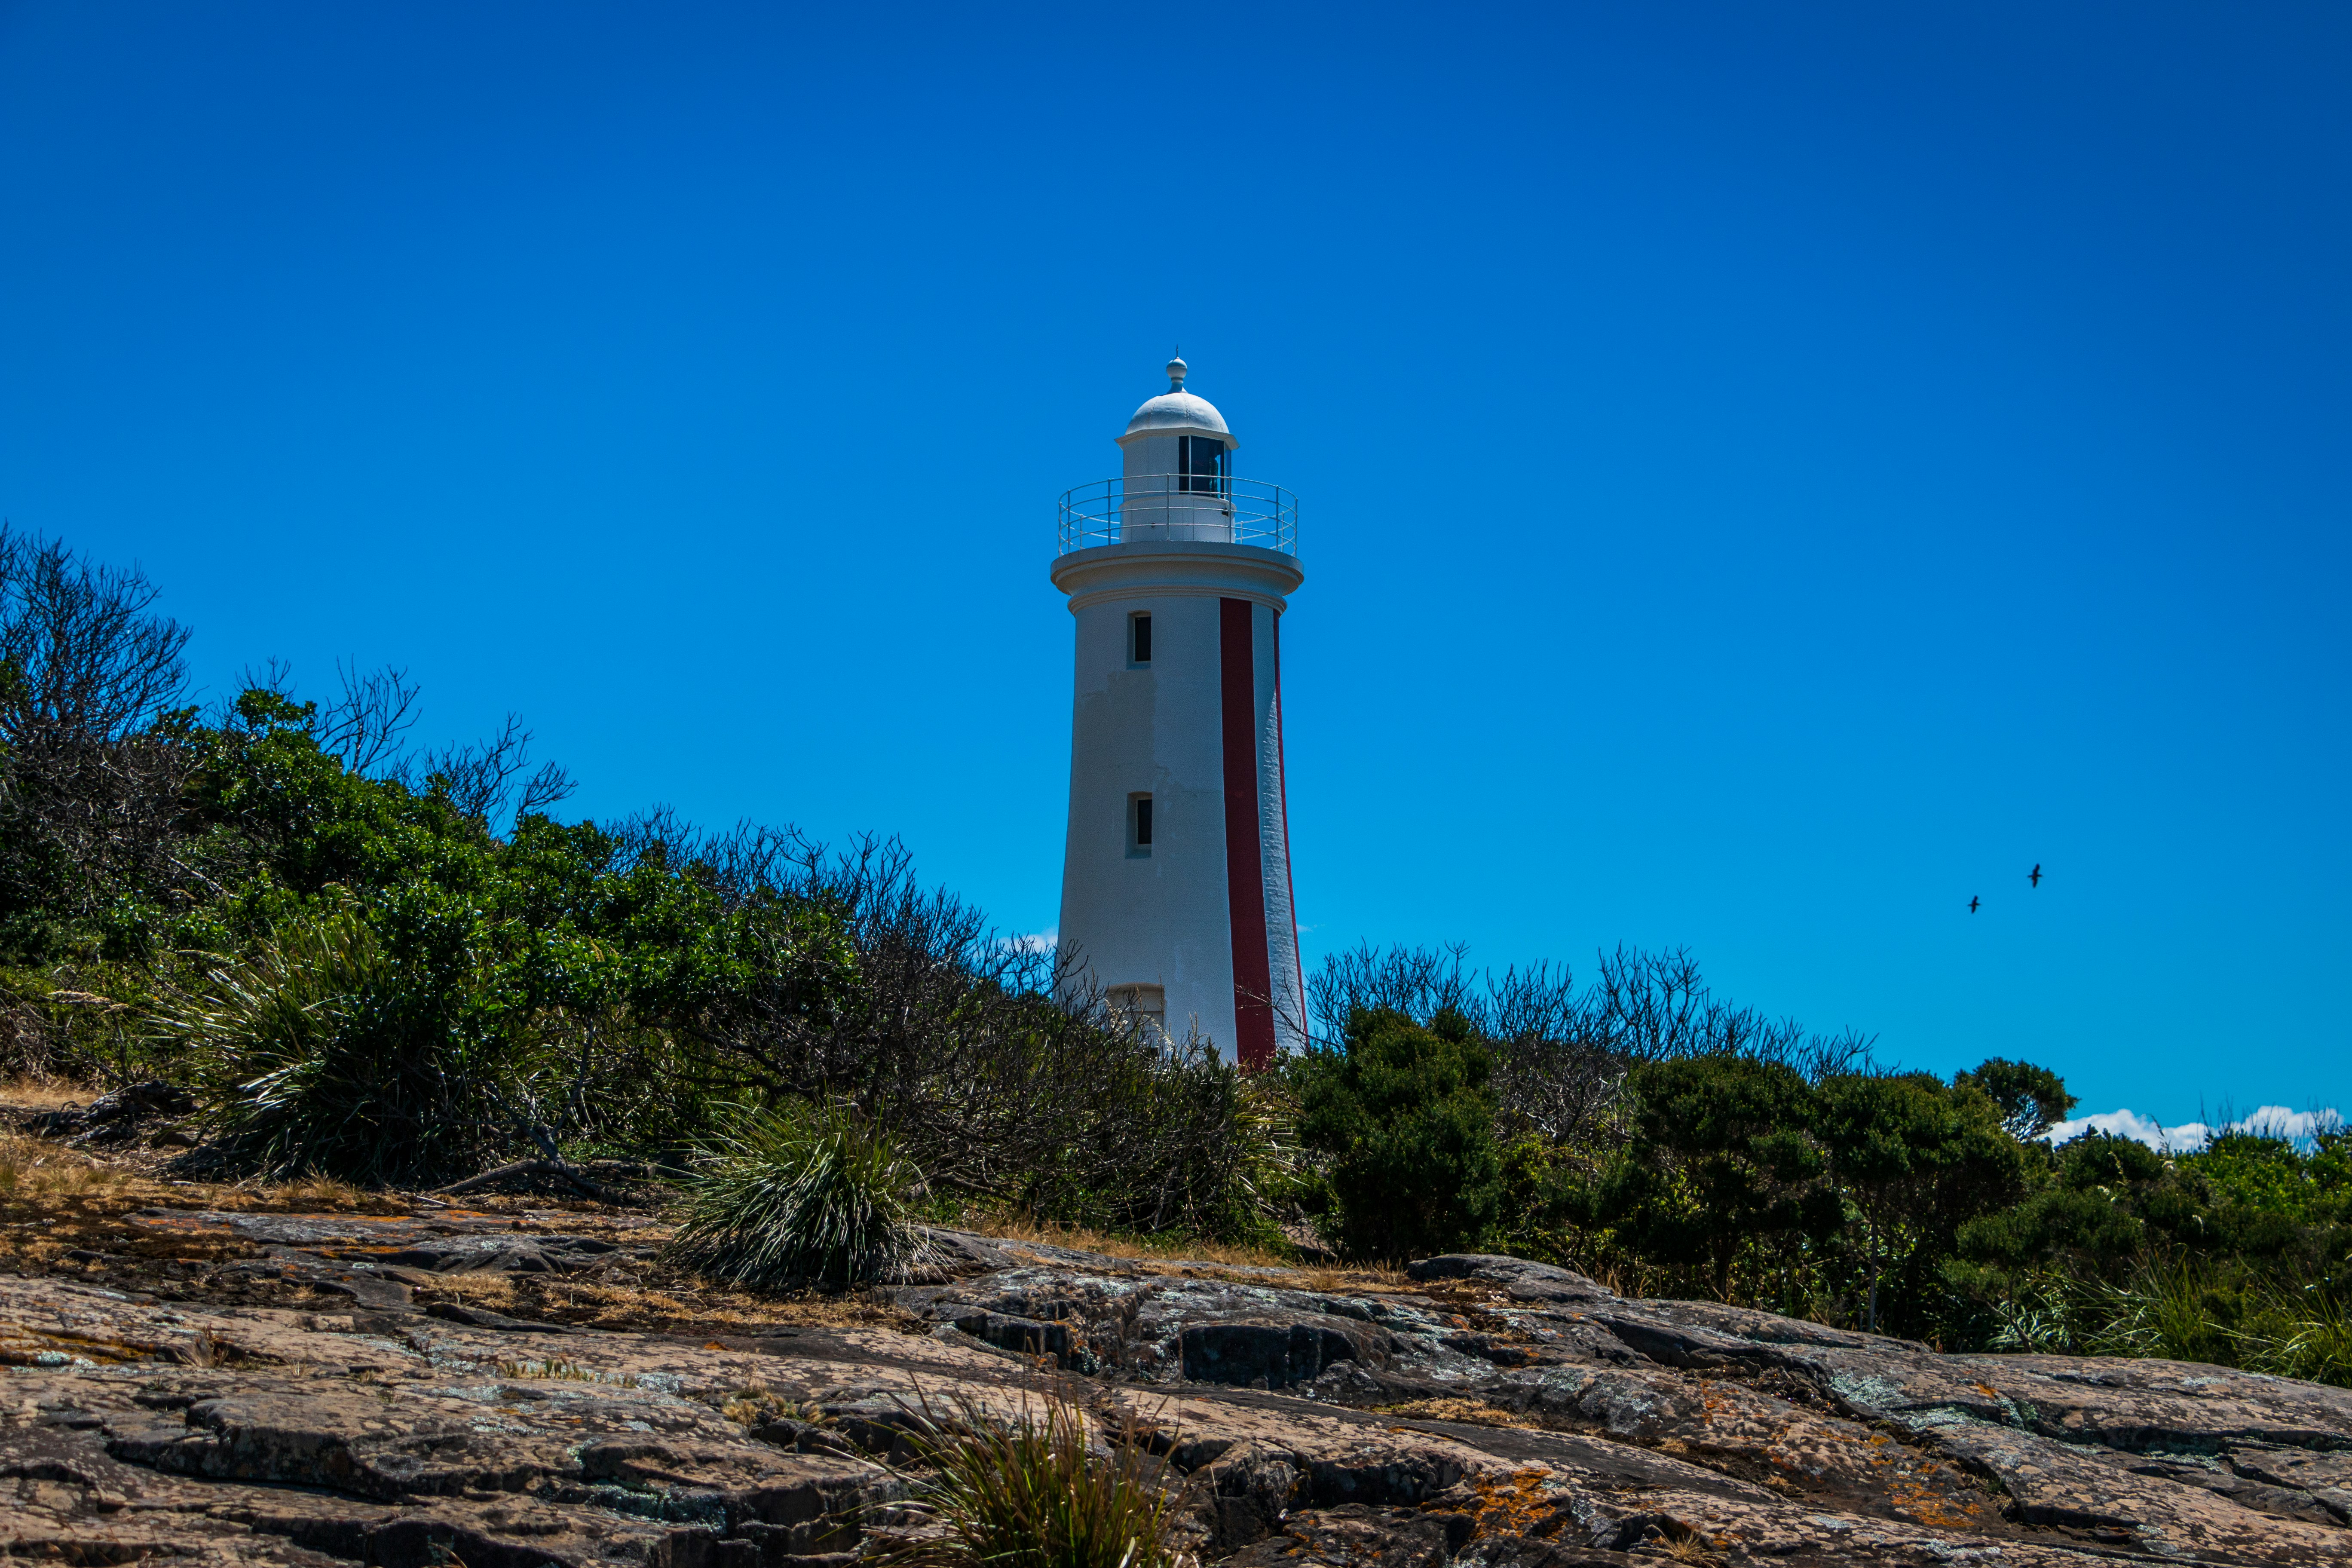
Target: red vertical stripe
(1244, 856)
(1289, 889)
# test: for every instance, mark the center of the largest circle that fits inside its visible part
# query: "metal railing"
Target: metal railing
(1179, 507)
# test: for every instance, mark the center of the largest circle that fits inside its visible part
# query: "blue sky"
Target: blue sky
(1769, 474)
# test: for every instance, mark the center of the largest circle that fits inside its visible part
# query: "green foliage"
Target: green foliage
(1407, 1126)
(808, 1195)
(1914, 1159)
(1175, 1138)
(1035, 1492)
(1720, 1159)
(382, 990)
(2235, 1254)
(2031, 1098)
(393, 968)
(320, 1052)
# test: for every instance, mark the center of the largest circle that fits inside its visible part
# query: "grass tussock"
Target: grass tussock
(313, 1053)
(810, 1195)
(758, 1404)
(1045, 1490)
(2175, 1306)
(2182, 1310)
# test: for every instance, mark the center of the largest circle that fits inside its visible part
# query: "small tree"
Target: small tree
(91, 759)
(1916, 1159)
(1720, 1159)
(1404, 1119)
(2032, 1099)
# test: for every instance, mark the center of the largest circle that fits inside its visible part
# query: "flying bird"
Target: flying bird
(2034, 876)
(1973, 902)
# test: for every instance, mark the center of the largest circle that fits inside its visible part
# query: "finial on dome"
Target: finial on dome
(1176, 369)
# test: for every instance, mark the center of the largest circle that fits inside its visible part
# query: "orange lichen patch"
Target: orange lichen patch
(1938, 1509)
(1508, 1506)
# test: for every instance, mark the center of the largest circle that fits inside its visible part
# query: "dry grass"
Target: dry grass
(1045, 1233)
(26, 1092)
(1208, 1259)
(1686, 1545)
(564, 1369)
(33, 1170)
(758, 1404)
(1356, 1281)
(1464, 1412)
(303, 1195)
(663, 1302)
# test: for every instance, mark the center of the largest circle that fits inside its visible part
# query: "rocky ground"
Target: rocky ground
(218, 1374)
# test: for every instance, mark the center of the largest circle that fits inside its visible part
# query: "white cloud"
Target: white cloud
(2274, 1120)
(2278, 1121)
(1034, 942)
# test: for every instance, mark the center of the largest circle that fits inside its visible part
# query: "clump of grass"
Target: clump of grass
(758, 1403)
(2300, 1330)
(31, 1170)
(1034, 1493)
(324, 1051)
(2167, 1308)
(2183, 1310)
(1684, 1544)
(566, 1370)
(810, 1195)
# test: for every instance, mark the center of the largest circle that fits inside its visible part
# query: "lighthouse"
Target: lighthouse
(1176, 872)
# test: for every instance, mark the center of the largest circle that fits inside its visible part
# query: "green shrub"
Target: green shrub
(314, 1054)
(1403, 1116)
(1036, 1493)
(810, 1195)
(1914, 1160)
(1720, 1162)
(1174, 1142)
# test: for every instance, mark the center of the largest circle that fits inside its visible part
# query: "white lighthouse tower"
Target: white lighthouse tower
(1176, 880)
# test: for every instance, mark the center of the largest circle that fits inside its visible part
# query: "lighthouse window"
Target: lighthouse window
(1201, 464)
(1144, 1009)
(1139, 825)
(1139, 639)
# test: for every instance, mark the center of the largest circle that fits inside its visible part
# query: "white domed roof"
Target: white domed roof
(1177, 410)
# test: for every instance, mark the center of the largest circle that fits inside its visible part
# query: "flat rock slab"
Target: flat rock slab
(1493, 1413)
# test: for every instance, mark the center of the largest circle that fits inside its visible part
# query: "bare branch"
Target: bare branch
(542, 790)
(366, 725)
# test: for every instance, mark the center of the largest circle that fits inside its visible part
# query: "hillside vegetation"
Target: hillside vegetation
(400, 968)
